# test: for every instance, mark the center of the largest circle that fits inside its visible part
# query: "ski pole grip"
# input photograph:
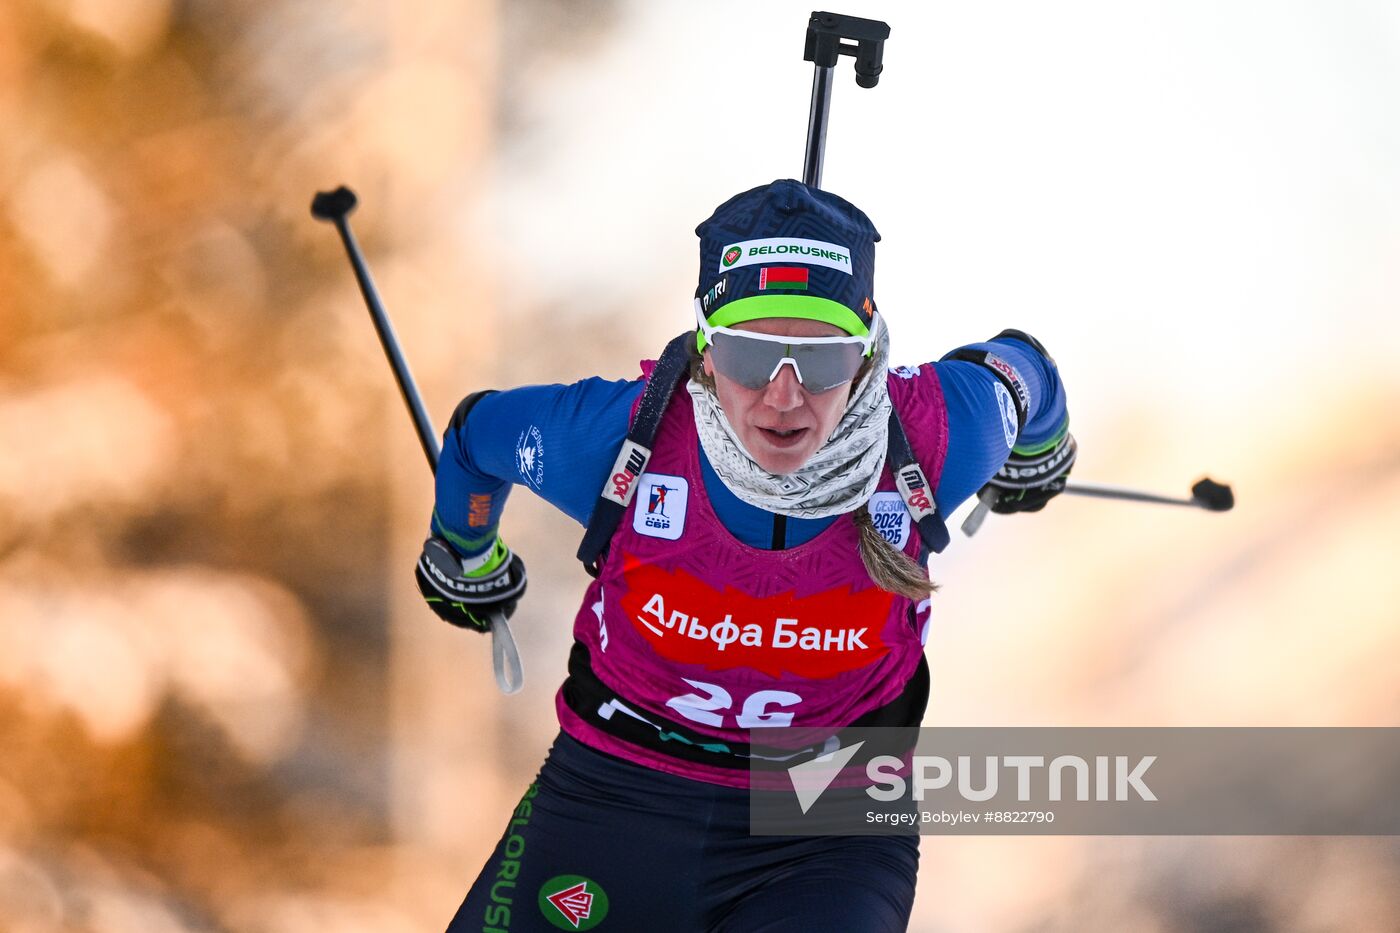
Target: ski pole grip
(825, 32)
(1213, 496)
(825, 35)
(333, 206)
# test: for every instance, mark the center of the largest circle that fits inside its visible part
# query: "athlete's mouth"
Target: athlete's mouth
(783, 437)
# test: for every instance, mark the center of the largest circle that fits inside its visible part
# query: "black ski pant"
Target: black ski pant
(602, 843)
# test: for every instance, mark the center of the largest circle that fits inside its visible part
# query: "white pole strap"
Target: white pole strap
(505, 656)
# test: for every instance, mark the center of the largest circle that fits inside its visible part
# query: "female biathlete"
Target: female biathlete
(759, 515)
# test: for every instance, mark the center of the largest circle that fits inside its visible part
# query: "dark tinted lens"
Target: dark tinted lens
(751, 362)
(826, 366)
(747, 362)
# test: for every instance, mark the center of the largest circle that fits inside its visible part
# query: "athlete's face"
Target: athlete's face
(781, 424)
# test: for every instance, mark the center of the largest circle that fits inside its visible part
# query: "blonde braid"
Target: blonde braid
(890, 568)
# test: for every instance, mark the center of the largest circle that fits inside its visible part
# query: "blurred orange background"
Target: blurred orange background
(222, 705)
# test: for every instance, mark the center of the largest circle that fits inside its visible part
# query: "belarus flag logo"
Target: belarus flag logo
(782, 277)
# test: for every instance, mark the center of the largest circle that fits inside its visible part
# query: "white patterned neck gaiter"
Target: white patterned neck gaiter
(839, 478)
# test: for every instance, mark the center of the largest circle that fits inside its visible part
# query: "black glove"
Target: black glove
(1029, 480)
(469, 598)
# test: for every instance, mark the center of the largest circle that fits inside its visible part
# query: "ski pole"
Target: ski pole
(335, 207)
(1206, 494)
(827, 35)
(825, 32)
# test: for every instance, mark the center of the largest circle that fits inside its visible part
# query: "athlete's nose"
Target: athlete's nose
(784, 392)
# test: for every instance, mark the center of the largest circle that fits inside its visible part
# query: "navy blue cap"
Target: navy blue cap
(787, 250)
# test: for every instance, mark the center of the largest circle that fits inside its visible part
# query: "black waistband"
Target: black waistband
(588, 697)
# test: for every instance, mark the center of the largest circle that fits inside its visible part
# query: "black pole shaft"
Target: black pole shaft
(816, 126)
(390, 342)
(1129, 495)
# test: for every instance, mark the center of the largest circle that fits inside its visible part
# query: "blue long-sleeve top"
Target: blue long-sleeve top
(561, 440)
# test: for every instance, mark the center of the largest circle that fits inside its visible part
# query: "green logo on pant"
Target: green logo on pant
(572, 902)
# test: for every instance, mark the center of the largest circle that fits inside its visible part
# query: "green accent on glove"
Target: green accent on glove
(1036, 450)
(472, 617)
(499, 555)
(469, 614)
(463, 545)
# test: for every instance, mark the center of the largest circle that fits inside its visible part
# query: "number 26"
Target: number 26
(709, 705)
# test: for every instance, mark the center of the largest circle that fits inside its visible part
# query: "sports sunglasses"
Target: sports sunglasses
(753, 360)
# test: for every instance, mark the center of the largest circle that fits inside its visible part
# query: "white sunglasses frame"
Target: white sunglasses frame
(708, 330)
